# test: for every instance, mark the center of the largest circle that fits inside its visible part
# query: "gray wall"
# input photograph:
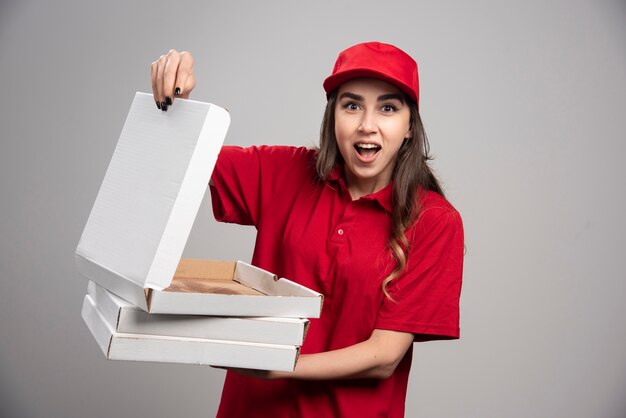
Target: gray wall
(524, 104)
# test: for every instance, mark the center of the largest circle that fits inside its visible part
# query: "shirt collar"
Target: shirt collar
(384, 196)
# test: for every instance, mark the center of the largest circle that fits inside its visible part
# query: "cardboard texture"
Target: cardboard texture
(127, 318)
(141, 219)
(158, 348)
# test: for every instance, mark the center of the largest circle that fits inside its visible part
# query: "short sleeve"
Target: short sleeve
(426, 296)
(235, 190)
(245, 180)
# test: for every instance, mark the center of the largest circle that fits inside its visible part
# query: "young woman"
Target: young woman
(361, 220)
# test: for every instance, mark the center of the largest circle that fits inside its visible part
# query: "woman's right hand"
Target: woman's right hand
(172, 77)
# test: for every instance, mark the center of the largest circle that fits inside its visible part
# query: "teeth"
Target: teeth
(367, 146)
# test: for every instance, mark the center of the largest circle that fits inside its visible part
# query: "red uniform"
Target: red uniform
(312, 232)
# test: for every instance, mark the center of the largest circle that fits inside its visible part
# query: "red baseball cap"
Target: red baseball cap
(376, 60)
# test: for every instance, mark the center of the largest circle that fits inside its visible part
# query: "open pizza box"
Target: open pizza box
(138, 227)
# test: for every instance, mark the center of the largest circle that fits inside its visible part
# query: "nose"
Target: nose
(368, 122)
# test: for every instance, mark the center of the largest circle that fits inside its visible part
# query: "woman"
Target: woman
(361, 220)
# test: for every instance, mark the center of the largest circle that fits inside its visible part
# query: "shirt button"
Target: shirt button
(340, 231)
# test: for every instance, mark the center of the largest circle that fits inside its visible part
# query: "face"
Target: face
(372, 119)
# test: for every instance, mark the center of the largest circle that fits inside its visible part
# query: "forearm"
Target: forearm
(357, 361)
(375, 358)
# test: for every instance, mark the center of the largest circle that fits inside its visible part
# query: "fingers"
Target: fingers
(185, 79)
(153, 76)
(170, 71)
(172, 76)
(160, 97)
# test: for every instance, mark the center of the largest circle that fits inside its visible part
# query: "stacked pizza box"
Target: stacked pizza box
(146, 303)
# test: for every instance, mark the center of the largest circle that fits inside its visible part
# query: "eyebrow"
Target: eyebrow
(381, 98)
(351, 96)
(391, 96)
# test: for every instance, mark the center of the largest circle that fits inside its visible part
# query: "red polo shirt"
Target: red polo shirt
(312, 232)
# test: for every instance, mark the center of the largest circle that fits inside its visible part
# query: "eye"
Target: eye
(388, 108)
(350, 106)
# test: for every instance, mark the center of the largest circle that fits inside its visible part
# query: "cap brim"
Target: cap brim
(334, 81)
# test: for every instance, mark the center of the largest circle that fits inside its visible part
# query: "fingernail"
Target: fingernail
(177, 91)
(164, 106)
(168, 100)
(158, 105)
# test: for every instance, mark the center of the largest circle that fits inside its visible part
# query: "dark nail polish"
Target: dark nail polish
(164, 106)
(168, 100)
(177, 91)
(158, 105)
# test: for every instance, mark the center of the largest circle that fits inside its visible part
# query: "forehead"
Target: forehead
(368, 87)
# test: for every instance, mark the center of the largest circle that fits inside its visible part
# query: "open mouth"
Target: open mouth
(367, 151)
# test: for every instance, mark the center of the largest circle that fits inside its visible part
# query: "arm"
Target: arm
(375, 358)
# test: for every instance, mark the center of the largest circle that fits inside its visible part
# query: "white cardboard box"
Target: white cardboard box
(124, 317)
(141, 219)
(164, 349)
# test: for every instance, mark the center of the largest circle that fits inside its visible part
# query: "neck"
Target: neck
(362, 187)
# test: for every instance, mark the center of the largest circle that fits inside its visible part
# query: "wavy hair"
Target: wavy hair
(410, 174)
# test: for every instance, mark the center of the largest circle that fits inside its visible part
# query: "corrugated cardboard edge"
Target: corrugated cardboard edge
(306, 330)
(148, 295)
(296, 360)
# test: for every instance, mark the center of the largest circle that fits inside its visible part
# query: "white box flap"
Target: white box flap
(150, 195)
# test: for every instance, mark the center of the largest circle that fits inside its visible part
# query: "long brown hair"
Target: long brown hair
(411, 173)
